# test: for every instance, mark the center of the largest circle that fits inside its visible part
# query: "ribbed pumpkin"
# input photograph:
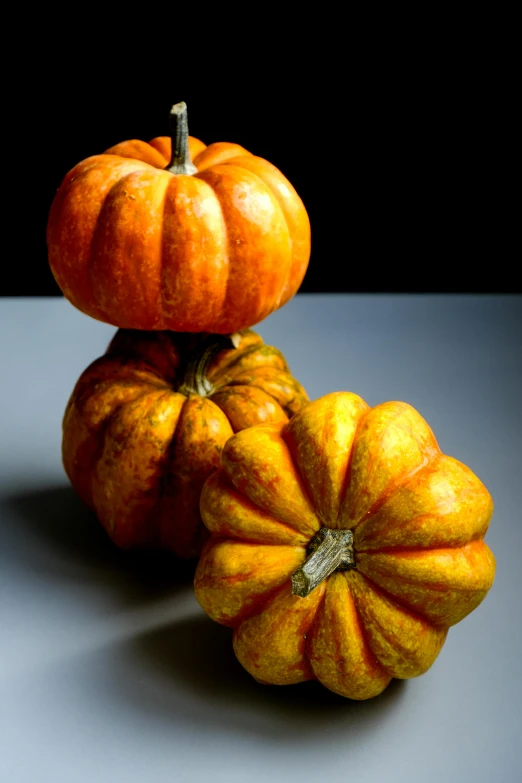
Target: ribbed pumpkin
(173, 234)
(146, 423)
(344, 545)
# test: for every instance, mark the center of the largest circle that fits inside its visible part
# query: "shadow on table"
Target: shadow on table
(185, 671)
(50, 530)
(189, 671)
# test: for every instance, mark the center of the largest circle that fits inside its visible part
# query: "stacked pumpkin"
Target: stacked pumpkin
(183, 247)
(335, 539)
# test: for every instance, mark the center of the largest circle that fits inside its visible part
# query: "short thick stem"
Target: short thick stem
(180, 162)
(330, 550)
(195, 379)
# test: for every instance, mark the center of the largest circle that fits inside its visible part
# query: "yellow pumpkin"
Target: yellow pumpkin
(344, 545)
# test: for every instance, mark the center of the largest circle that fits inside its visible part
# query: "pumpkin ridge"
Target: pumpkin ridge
(82, 169)
(262, 305)
(248, 339)
(235, 401)
(236, 161)
(299, 392)
(404, 478)
(184, 267)
(154, 518)
(161, 383)
(339, 660)
(102, 441)
(143, 387)
(265, 370)
(310, 633)
(165, 392)
(157, 513)
(79, 171)
(235, 382)
(158, 144)
(102, 432)
(388, 492)
(91, 258)
(235, 359)
(348, 474)
(362, 627)
(290, 671)
(85, 384)
(323, 464)
(427, 585)
(249, 539)
(170, 457)
(255, 542)
(262, 599)
(306, 623)
(163, 144)
(265, 171)
(130, 256)
(98, 435)
(299, 477)
(260, 181)
(402, 606)
(236, 386)
(401, 548)
(338, 650)
(300, 480)
(406, 609)
(227, 246)
(415, 520)
(416, 583)
(259, 606)
(225, 149)
(127, 355)
(133, 149)
(231, 366)
(302, 483)
(161, 303)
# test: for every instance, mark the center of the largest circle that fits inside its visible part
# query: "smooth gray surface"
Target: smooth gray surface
(109, 669)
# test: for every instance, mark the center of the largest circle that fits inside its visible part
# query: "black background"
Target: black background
(401, 161)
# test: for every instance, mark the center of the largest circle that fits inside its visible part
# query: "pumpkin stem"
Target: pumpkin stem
(180, 162)
(195, 379)
(328, 551)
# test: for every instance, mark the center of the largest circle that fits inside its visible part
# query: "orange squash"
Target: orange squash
(146, 423)
(177, 235)
(344, 545)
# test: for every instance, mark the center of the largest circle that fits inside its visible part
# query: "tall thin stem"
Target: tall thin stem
(180, 162)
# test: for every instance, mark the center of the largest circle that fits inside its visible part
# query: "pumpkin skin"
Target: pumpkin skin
(137, 445)
(137, 246)
(418, 520)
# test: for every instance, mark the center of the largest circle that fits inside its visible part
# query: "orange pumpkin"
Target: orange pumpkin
(344, 544)
(178, 235)
(146, 423)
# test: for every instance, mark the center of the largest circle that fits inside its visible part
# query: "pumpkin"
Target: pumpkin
(146, 423)
(344, 545)
(177, 235)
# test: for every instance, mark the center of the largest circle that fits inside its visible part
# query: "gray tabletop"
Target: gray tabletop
(110, 671)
